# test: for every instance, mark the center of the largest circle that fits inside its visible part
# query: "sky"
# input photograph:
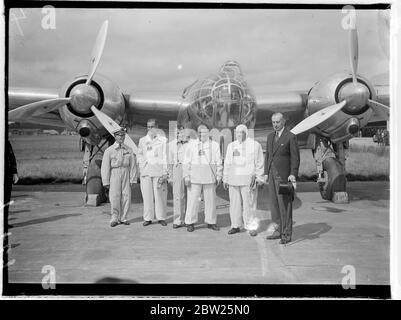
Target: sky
(162, 51)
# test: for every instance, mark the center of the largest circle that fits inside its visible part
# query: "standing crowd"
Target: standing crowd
(194, 167)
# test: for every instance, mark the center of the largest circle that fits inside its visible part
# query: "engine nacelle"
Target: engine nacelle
(103, 94)
(356, 113)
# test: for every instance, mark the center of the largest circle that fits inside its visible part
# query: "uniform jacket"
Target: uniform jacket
(283, 155)
(243, 160)
(202, 162)
(115, 157)
(176, 152)
(152, 156)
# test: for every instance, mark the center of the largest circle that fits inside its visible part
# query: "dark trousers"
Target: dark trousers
(8, 183)
(280, 206)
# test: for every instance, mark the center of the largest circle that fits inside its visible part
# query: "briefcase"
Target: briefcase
(286, 188)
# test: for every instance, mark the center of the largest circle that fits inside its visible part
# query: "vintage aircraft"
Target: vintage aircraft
(327, 116)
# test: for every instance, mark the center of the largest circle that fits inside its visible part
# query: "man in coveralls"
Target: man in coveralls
(118, 174)
(152, 159)
(176, 151)
(243, 173)
(202, 171)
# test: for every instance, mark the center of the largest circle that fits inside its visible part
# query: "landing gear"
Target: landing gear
(95, 193)
(330, 163)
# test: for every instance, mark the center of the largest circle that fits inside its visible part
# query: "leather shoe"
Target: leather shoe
(176, 226)
(213, 227)
(113, 224)
(190, 228)
(285, 240)
(146, 223)
(233, 230)
(253, 233)
(125, 222)
(274, 236)
(163, 223)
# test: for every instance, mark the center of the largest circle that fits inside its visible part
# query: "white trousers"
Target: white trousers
(119, 194)
(243, 201)
(178, 194)
(209, 197)
(154, 198)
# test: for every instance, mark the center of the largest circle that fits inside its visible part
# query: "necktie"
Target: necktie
(276, 137)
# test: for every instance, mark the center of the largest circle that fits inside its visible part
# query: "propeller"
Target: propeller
(317, 118)
(111, 126)
(355, 95)
(36, 108)
(353, 53)
(379, 108)
(97, 51)
(81, 95)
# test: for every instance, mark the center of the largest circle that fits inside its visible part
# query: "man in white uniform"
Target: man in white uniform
(202, 171)
(119, 172)
(176, 151)
(152, 159)
(243, 173)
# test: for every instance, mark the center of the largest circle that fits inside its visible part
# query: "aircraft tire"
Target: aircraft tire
(336, 178)
(94, 179)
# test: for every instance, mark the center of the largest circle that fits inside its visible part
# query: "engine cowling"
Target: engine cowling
(354, 115)
(104, 94)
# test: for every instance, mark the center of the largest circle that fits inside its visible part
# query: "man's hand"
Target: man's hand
(187, 182)
(15, 178)
(292, 179)
(226, 185)
(218, 181)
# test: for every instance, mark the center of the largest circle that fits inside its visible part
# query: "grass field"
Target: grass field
(57, 159)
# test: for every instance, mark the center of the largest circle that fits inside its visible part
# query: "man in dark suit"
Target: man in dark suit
(281, 165)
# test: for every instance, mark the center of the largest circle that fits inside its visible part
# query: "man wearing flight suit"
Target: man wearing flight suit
(243, 173)
(202, 171)
(281, 165)
(118, 174)
(152, 159)
(176, 151)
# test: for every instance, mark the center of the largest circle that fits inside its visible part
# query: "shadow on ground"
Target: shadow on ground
(44, 220)
(309, 231)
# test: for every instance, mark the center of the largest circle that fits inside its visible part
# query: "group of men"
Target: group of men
(195, 167)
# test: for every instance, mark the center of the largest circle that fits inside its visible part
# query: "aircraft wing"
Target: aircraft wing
(18, 97)
(142, 108)
(291, 104)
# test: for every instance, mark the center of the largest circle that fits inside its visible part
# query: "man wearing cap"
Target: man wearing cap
(118, 172)
(176, 151)
(152, 159)
(202, 171)
(243, 173)
(281, 165)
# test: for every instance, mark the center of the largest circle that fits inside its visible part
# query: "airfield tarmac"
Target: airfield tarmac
(52, 226)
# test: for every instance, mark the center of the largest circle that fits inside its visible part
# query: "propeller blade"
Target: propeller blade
(317, 118)
(111, 126)
(380, 108)
(36, 109)
(97, 51)
(353, 52)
